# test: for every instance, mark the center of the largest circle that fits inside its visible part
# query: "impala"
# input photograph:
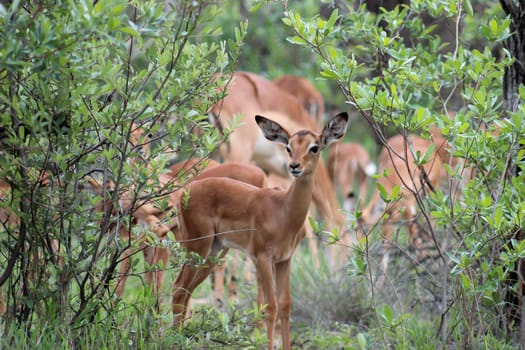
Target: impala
(252, 175)
(396, 162)
(157, 256)
(247, 173)
(349, 164)
(250, 94)
(266, 224)
(306, 93)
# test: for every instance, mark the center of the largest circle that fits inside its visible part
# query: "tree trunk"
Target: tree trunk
(515, 74)
(513, 78)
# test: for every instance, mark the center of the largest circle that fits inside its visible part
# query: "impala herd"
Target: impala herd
(272, 177)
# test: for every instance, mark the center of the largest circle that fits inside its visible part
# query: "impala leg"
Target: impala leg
(150, 266)
(265, 276)
(220, 273)
(218, 284)
(282, 275)
(409, 216)
(162, 255)
(3, 306)
(155, 271)
(416, 240)
(235, 266)
(125, 265)
(181, 293)
(200, 275)
(190, 277)
(260, 297)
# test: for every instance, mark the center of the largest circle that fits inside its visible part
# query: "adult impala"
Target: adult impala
(264, 223)
(348, 164)
(306, 93)
(397, 163)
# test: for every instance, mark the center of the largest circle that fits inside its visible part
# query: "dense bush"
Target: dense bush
(77, 78)
(397, 72)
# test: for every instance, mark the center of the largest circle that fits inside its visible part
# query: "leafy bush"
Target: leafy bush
(77, 79)
(396, 71)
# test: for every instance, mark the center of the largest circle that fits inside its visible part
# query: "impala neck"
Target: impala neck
(299, 197)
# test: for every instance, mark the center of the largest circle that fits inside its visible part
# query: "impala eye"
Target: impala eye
(288, 149)
(314, 149)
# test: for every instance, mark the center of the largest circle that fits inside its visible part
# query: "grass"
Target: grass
(325, 304)
(332, 308)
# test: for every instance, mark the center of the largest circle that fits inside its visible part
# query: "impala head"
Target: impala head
(304, 147)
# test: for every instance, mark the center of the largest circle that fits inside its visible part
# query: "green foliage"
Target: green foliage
(317, 289)
(77, 79)
(402, 75)
(228, 330)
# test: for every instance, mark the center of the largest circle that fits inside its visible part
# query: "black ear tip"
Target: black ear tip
(343, 115)
(259, 118)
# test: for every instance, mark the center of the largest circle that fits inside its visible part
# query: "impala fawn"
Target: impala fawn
(266, 224)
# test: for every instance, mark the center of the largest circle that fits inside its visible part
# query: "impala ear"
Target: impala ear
(334, 129)
(272, 130)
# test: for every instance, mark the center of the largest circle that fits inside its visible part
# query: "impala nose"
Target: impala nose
(295, 169)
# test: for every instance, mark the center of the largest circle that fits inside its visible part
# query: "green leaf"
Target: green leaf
(498, 216)
(493, 25)
(363, 341)
(329, 75)
(388, 314)
(297, 40)
(465, 282)
(382, 192)
(395, 192)
(468, 7)
(333, 18)
(256, 7)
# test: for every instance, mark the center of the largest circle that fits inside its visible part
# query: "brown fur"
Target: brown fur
(306, 93)
(250, 94)
(267, 224)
